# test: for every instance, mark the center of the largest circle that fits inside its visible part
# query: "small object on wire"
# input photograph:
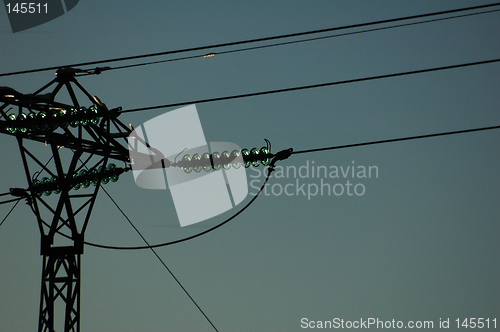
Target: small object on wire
(98, 70)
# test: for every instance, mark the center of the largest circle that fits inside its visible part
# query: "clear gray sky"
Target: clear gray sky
(420, 243)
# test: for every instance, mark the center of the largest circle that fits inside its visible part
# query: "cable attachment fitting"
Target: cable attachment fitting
(21, 193)
(18, 192)
(68, 72)
(282, 155)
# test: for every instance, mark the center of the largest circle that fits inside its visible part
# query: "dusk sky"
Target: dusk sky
(417, 239)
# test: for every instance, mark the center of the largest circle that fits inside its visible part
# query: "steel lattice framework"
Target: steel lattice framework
(63, 199)
(93, 136)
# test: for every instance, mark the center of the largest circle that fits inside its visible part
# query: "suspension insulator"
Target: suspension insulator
(226, 160)
(51, 119)
(82, 179)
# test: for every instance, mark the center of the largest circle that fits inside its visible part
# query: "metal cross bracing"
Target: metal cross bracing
(62, 192)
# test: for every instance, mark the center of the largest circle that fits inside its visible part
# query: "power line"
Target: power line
(313, 86)
(199, 48)
(187, 238)
(11, 200)
(289, 42)
(8, 214)
(159, 258)
(409, 138)
(19, 199)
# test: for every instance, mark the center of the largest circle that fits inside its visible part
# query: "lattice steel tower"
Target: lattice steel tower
(81, 139)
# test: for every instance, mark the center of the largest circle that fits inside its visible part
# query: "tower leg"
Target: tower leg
(60, 283)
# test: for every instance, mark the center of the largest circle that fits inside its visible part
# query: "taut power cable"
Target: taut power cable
(314, 86)
(11, 200)
(159, 258)
(212, 54)
(409, 138)
(8, 214)
(298, 34)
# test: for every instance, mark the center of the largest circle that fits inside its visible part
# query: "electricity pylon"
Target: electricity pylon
(63, 191)
(92, 136)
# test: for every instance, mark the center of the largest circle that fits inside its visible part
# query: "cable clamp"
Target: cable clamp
(18, 192)
(282, 155)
